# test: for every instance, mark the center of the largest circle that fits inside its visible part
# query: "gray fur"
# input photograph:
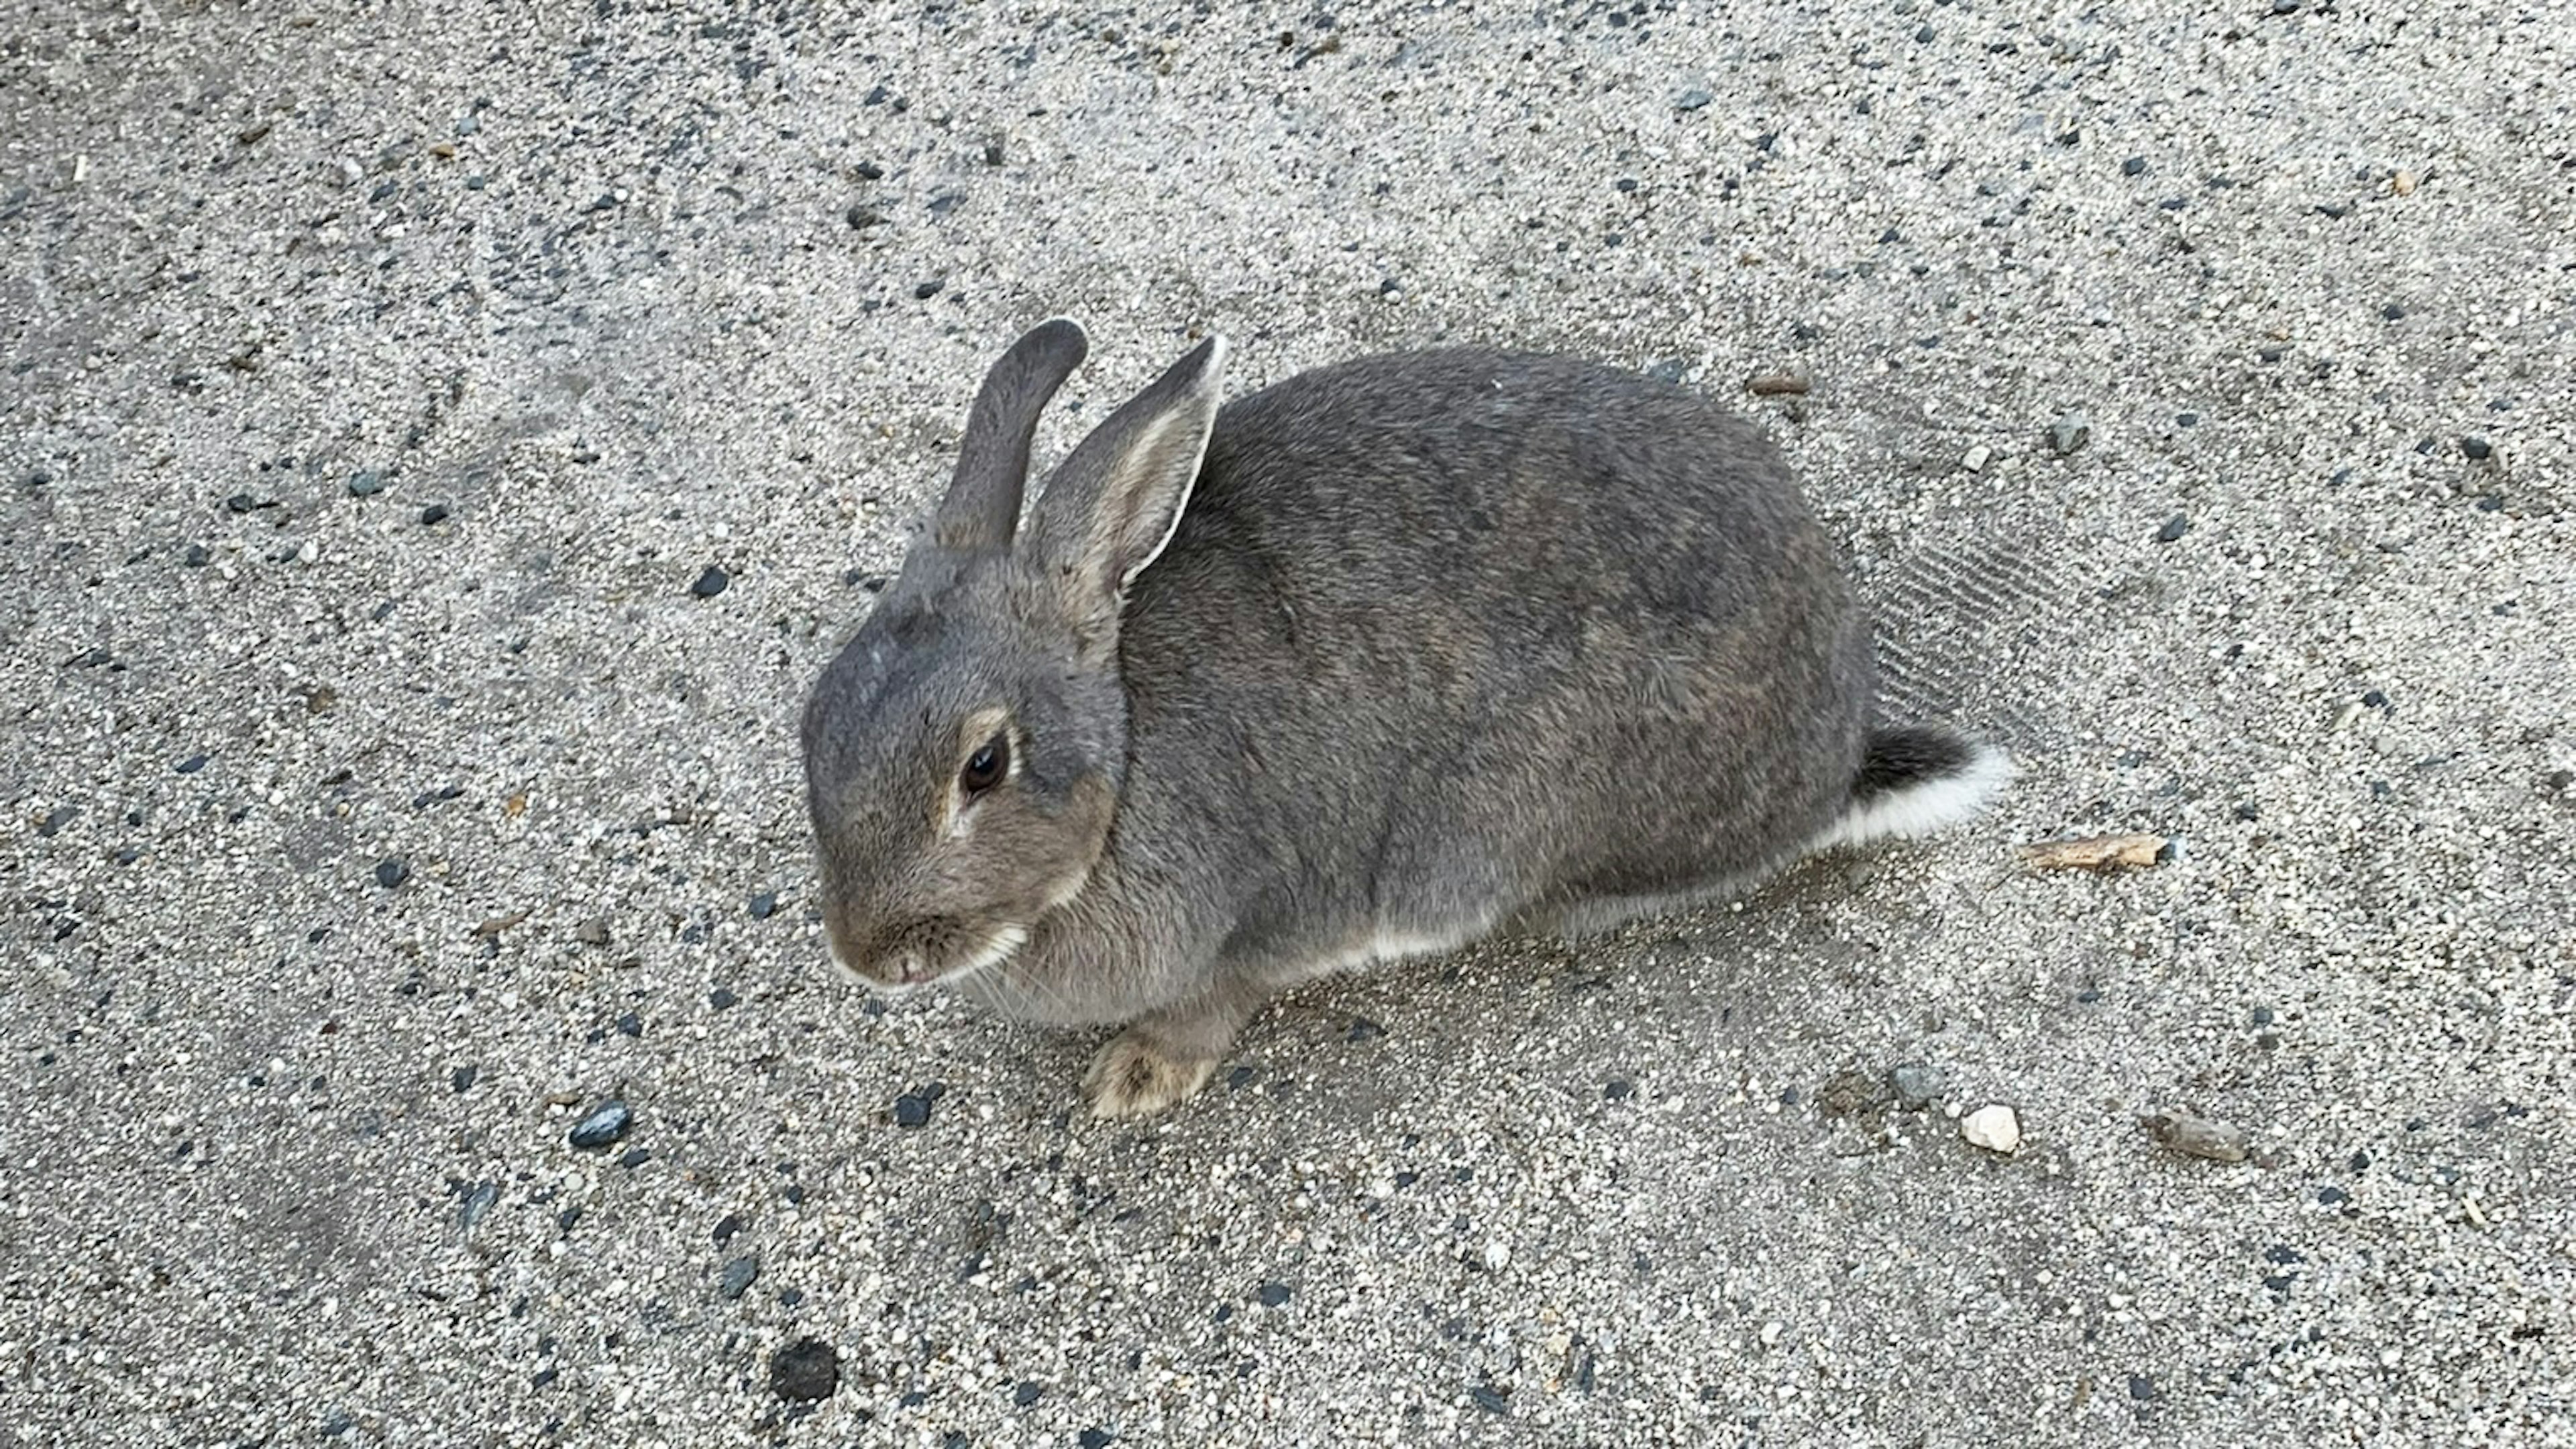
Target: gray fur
(1443, 643)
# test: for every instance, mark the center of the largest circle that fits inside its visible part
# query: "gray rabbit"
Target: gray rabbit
(1366, 665)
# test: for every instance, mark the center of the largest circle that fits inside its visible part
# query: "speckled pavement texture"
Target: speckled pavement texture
(441, 444)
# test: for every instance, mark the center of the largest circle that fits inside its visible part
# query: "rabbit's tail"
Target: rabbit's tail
(1915, 779)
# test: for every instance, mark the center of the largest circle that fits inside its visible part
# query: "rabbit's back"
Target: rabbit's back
(1453, 636)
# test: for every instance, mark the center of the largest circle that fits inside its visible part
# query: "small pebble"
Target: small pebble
(739, 1274)
(2477, 447)
(763, 905)
(192, 764)
(1361, 1029)
(2393, 312)
(606, 1123)
(1273, 1294)
(392, 871)
(2200, 1136)
(2134, 166)
(592, 932)
(2174, 528)
(1975, 460)
(912, 1109)
(710, 583)
(366, 483)
(720, 998)
(927, 290)
(1028, 1392)
(634, 1157)
(1097, 1439)
(1993, 1128)
(2070, 432)
(478, 1201)
(1917, 1084)
(1693, 98)
(434, 513)
(806, 1371)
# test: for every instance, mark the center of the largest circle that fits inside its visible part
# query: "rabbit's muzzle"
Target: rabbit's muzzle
(936, 949)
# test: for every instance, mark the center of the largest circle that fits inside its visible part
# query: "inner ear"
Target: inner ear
(1111, 509)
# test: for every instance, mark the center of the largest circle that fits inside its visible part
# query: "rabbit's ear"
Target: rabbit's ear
(1110, 509)
(982, 509)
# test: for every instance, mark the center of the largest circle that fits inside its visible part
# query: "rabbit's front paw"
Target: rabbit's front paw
(1138, 1075)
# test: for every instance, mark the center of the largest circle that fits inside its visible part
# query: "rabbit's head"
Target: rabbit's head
(964, 752)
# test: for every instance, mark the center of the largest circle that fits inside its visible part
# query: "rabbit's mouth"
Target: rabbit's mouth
(923, 962)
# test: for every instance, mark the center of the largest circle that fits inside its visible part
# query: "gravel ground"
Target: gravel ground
(442, 443)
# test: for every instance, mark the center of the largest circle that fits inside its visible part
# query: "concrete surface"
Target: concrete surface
(285, 1145)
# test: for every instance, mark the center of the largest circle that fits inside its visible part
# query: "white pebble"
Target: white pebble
(1993, 1128)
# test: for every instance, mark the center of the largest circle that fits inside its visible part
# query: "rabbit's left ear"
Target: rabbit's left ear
(982, 508)
(1112, 506)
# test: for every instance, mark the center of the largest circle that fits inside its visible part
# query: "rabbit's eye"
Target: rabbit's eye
(986, 767)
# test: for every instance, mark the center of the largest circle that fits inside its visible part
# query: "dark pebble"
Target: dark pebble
(2174, 528)
(2477, 447)
(2375, 698)
(1362, 1029)
(478, 1201)
(710, 583)
(720, 998)
(1238, 1079)
(2142, 1388)
(726, 1227)
(1028, 1392)
(462, 1079)
(1490, 1399)
(861, 217)
(1923, 36)
(2262, 1016)
(763, 905)
(631, 1024)
(197, 556)
(739, 1273)
(2491, 503)
(192, 764)
(567, 1220)
(1273, 1294)
(2393, 312)
(606, 1123)
(1617, 1089)
(1096, 1439)
(366, 483)
(924, 291)
(806, 1371)
(2285, 7)
(392, 871)
(2333, 1196)
(634, 1157)
(912, 1110)
(2134, 166)
(434, 513)
(870, 171)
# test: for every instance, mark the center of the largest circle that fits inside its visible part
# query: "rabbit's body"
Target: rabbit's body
(1442, 643)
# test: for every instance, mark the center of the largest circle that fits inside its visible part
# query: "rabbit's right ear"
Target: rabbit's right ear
(1111, 507)
(982, 509)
